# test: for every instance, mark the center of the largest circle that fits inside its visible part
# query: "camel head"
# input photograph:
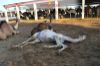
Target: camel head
(2, 22)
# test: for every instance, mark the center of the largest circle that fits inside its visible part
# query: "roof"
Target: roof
(90, 1)
(44, 3)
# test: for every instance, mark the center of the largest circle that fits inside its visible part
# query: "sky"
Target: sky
(5, 2)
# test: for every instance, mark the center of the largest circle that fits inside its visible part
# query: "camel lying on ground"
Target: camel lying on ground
(7, 30)
(47, 35)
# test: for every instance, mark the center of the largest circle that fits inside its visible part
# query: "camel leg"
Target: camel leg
(75, 15)
(70, 15)
(59, 42)
(24, 42)
(61, 38)
(27, 43)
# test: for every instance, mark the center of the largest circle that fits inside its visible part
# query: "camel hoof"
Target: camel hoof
(46, 46)
(21, 47)
(58, 53)
(15, 46)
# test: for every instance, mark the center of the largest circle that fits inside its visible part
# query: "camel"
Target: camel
(98, 11)
(44, 33)
(47, 35)
(6, 30)
(72, 11)
(41, 26)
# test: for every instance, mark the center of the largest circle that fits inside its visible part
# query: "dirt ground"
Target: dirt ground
(85, 53)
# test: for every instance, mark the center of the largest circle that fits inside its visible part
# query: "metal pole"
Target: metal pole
(83, 8)
(35, 11)
(18, 13)
(56, 9)
(6, 15)
(49, 15)
(11, 14)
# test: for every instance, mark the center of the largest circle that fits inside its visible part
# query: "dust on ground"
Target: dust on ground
(85, 53)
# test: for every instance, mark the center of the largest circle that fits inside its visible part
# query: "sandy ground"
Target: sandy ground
(86, 53)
